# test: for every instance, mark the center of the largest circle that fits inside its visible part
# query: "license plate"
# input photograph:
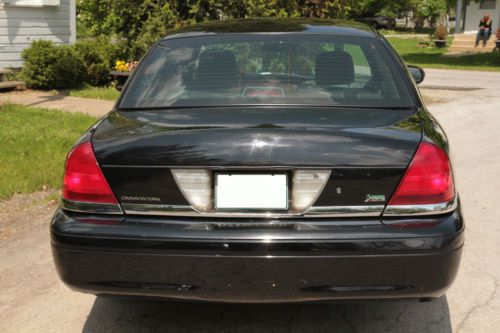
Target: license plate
(251, 191)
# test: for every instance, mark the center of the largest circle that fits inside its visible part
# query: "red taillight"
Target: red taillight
(83, 179)
(428, 180)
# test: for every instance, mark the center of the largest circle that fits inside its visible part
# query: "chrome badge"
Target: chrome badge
(375, 198)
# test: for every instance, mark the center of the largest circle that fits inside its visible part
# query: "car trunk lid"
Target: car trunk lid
(367, 150)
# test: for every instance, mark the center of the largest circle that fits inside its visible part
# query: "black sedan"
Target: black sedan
(263, 161)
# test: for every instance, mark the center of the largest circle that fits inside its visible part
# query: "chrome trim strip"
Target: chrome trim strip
(418, 210)
(90, 207)
(350, 211)
(324, 211)
(160, 210)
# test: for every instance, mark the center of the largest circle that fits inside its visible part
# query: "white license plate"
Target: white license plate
(251, 191)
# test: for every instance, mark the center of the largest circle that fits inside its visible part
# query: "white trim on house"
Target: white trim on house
(23, 21)
(72, 20)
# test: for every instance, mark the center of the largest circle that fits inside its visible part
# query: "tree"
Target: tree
(430, 10)
(97, 15)
(138, 23)
(325, 9)
(397, 8)
(141, 22)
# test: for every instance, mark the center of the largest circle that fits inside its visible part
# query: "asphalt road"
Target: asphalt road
(32, 299)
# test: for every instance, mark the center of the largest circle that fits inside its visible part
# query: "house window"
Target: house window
(31, 3)
(487, 4)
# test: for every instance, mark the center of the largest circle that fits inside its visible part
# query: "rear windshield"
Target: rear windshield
(271, 69)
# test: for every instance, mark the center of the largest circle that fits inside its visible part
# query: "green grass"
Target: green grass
(411, 31)
(426, 55)
(34, 146)
(406, 31)
(107, 93)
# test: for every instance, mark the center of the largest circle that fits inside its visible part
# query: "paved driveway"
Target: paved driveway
(32, 299)
(51, 100)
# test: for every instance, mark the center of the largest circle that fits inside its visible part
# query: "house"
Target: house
(23, 21)
(468, 21)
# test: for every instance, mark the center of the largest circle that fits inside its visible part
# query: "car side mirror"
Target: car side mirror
(417, 73)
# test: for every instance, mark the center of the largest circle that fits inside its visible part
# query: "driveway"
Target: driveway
(466, 103)
(51, 100)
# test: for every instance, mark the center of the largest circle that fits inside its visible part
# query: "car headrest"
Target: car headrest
(334, 68)
(216, 70)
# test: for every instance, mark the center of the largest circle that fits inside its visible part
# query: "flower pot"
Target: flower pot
(440, 43)
(497, 44)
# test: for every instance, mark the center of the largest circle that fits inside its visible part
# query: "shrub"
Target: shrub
(98, 56)
(38, 62)
(69, 69)
(49, 66)
(441, 32)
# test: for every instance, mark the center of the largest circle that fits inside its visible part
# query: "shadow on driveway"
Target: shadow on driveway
(120, 315)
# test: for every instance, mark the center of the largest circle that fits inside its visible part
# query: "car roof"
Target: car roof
(276, 25)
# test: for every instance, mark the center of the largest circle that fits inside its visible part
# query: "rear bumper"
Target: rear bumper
(139, 258)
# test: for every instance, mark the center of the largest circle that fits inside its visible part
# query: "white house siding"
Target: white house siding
(20, 25)
(474, 15)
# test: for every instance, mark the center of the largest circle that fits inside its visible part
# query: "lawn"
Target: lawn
(431, 57)
(107, 93)
(34, 146)
(406, 31)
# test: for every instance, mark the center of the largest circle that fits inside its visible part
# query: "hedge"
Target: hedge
(54, 66)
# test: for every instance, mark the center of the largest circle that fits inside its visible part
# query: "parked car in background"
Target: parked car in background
(270, 160)
(379, 21)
